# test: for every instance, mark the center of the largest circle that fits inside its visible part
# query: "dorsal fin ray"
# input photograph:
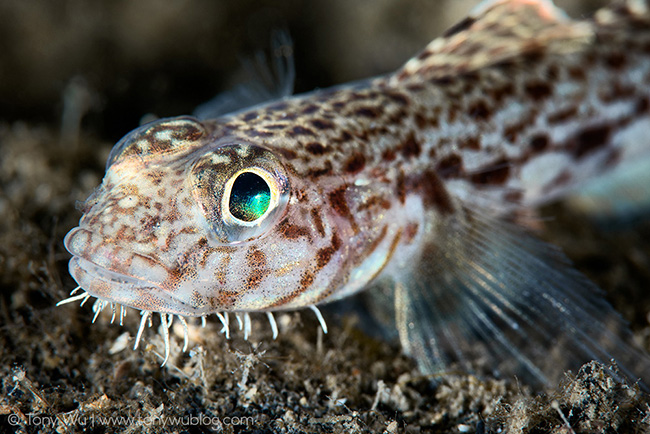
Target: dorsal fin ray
(497, 31)
(267, 79)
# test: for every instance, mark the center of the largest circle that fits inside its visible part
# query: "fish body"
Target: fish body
(416, 184)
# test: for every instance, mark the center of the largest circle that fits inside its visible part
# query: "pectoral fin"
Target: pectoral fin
(486, 295)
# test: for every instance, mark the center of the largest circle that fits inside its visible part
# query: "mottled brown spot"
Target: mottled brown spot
(397, 116)
(256, 277)
(539, 143)
(616, 60)
(388, 155)
(340, 206)
(369, 112)
(642, 106)
(495, 174)
(563, 115)
(156, 176)
(310, 109)
(291, 231)
(324, 255)
(276, 126)
(255, 258)
(397, 97)
(479, 110)
(300, 131)
(450, 166)
(318, 221)
(306, 280)
(442, 81)
(355, 163)
(173, 214)
(415, 87)
(589, 140)
(538, 90)
(498, 94)
(410, 147)
(472, 143)
(552, 72)
(315, 148)
(433, 191)
(577, 73)
(147, 223)
(322, 124)
(420, 121)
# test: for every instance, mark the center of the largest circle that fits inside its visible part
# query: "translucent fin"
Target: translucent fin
(266, 80)
(497, 31)
(488, 296)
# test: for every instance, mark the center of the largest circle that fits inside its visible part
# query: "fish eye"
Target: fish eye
(241, 189)
(249, 195)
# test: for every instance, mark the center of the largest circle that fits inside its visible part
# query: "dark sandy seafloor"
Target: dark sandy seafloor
(74, 77)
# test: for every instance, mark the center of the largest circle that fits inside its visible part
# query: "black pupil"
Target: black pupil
(250, 197)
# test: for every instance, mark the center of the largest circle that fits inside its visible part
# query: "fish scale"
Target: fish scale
(411, 184)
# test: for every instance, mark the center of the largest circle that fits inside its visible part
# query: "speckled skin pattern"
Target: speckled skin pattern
(509, 109)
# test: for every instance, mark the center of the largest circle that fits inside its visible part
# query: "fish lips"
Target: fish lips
(117, 280)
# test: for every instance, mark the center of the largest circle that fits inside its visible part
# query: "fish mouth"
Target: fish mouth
(121, 287)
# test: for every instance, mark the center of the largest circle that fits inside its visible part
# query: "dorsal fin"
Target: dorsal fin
(498, 31)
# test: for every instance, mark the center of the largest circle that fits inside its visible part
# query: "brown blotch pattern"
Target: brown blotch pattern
(434, 191)
(306, 280)
(339, 204)
(355, 163)
(291, 231)
(256, 258)
(315, 148)
(324, 255)
(301, 131)
(589, 140)
(318, 221)
(450, 166)
(410, 147)
(322, 124)
(539, 143)
(479, 110)
(538, 90)
(369, 112)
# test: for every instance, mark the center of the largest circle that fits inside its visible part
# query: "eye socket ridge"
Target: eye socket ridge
(250, 195)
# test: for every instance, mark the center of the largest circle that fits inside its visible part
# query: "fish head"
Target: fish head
(192, 218)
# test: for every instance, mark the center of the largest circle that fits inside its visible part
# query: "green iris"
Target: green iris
(250, 197)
